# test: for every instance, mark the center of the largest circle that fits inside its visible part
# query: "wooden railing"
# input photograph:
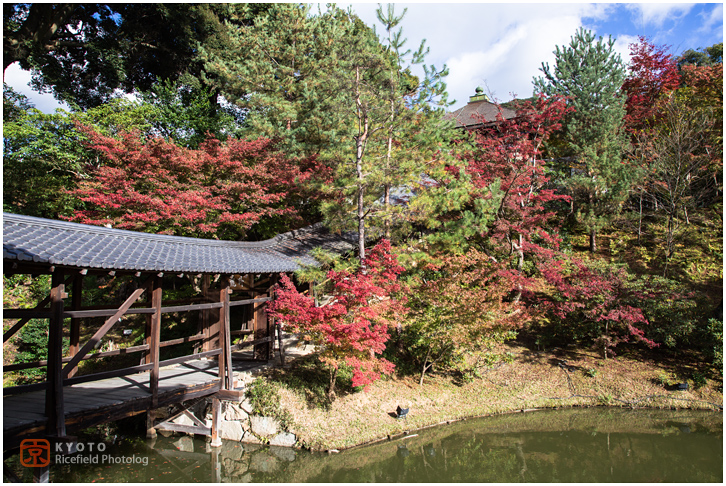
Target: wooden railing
(115, 315)
(215, 337)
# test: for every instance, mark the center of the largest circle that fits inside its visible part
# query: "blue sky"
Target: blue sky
(501, 46)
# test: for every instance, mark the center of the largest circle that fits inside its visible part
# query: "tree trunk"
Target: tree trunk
(640, 217)
(424, 367)
(593, 240)
(331, 386)
(387, 185)
(520, 266)
(360, 144)
(670, 245)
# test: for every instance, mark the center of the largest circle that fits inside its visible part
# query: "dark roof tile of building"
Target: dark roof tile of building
(52, 242)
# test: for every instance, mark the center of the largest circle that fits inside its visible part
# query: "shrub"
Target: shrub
(265, 400)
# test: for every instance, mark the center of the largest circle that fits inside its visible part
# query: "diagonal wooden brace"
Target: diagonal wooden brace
(102, 332)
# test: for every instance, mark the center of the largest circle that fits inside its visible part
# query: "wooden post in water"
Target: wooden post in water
(216, 422)
(153, 339)
(54, 409)
(216, 466)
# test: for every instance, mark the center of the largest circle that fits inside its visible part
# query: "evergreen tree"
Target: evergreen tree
(83, 52)
(276, 67)
(416, 126)
(590, 73)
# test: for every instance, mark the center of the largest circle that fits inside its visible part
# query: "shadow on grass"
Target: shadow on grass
(309, 377)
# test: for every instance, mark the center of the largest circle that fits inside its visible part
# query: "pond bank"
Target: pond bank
(533, 380)
(572, 445)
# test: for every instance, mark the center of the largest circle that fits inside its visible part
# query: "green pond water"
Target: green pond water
(573, 445)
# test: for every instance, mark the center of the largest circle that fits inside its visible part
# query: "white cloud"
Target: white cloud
(657, 13)
(713, 19)
(497, 46)
(622, 47)
(19, 80)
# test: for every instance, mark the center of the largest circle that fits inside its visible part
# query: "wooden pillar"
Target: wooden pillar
(224, 360)
(155, 339)
(248, 315)
(261, 351)
(275, 324)
(54, 408)
(75, 335)
(146, 355)
(205, 317)
(216, 422)
(150, 430)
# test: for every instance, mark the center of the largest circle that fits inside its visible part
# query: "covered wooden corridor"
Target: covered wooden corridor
(230, 283)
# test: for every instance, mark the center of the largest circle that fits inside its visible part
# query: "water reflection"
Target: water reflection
(597, 445)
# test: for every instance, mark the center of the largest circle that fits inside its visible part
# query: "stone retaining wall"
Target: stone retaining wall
(239, 424)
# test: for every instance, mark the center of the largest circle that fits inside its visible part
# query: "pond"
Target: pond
(572, 445)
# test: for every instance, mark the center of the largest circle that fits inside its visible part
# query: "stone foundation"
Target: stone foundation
(238, 424)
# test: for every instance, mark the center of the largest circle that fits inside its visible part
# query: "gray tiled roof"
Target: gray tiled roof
(52, 242)
(477, 113)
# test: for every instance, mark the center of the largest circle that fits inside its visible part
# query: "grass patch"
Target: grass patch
(531, 380)
(265, 400)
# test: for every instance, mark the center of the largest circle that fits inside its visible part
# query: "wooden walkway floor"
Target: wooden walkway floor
(93, 403)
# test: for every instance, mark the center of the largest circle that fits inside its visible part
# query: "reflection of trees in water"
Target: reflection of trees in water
(683, 450)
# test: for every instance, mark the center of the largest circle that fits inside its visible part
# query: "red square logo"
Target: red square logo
(35, 453)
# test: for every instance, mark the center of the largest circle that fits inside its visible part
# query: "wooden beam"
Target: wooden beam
(110, 322)
(104, 354)
(19, 389)
(27, 314)
(241, 333)
(80, 314)
(107, 374)
(186, 429)
(247, 344)
(155, 339)
(231, 395)
(191, 307)
(188, 339)
(184, 359)
(54, 409)
(249, 301)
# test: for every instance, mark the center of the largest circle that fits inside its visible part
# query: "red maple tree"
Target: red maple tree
(653, 73)
(220, 190)
(353, 327)
(590, 298)
(510, 154)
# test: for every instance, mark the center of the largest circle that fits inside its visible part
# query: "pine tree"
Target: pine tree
(590, 73)
(277, 68)
(416, 125)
